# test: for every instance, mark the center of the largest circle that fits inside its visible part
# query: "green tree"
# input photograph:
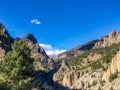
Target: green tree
(17, 65)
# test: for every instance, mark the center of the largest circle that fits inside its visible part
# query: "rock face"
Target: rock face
(37, 52)
(30, 37)
(58, 77)
(113, 37)
(114, 66)
(66, 77)
(5, 41)
(70, 79)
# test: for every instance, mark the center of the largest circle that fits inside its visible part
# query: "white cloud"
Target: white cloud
(35, 21)
(51, 51)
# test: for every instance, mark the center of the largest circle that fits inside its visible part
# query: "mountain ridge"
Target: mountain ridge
(113, 37)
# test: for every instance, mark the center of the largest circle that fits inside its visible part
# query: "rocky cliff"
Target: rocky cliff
(66, 76)
(37, 51)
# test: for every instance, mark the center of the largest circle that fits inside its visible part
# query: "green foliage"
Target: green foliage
(75, 61)
(111, 88)
(112, 77)
(89, 85)
(17, 65)
(99, 88)
(102, 82)
(94, 83)
(95, 65)
(107, 54)
(110, 52)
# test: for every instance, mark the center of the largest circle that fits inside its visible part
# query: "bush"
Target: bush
(89, 85)
(112, 77)
(96, 65)
(102, 82)
(94, 83)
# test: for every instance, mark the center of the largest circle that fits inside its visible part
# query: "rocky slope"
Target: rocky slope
(113, 37)
(96, 65)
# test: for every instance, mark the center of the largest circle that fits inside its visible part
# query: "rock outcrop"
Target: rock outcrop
(37, 51)
(66, 77)
(113, 68)
(59, 75)
(113, 37)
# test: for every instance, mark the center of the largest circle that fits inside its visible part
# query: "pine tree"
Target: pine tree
(17, 65)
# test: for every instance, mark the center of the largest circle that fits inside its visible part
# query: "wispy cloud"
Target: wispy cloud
(35, 21)
(51, 51)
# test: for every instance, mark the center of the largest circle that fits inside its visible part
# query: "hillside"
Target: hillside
(113, 37)
(95, 69)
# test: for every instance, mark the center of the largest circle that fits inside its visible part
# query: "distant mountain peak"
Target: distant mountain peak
(30, 37)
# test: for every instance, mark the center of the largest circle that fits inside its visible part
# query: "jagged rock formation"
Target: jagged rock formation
(113, 37)
(70, 79)
(30, 37)
(58, 77)
(113, 68)
(37, 52)
(66, 76)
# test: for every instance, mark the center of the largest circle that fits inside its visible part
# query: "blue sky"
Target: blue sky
(60, 24)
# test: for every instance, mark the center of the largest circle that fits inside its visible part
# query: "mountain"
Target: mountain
(92, 66)
(113, 37)
(37, 52)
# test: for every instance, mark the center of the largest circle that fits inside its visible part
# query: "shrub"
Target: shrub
(112, 77)
(102, 82)
(111, 88)
(94, 83)
(96, 65)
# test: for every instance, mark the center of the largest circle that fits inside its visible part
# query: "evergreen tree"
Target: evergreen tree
(17, 65)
